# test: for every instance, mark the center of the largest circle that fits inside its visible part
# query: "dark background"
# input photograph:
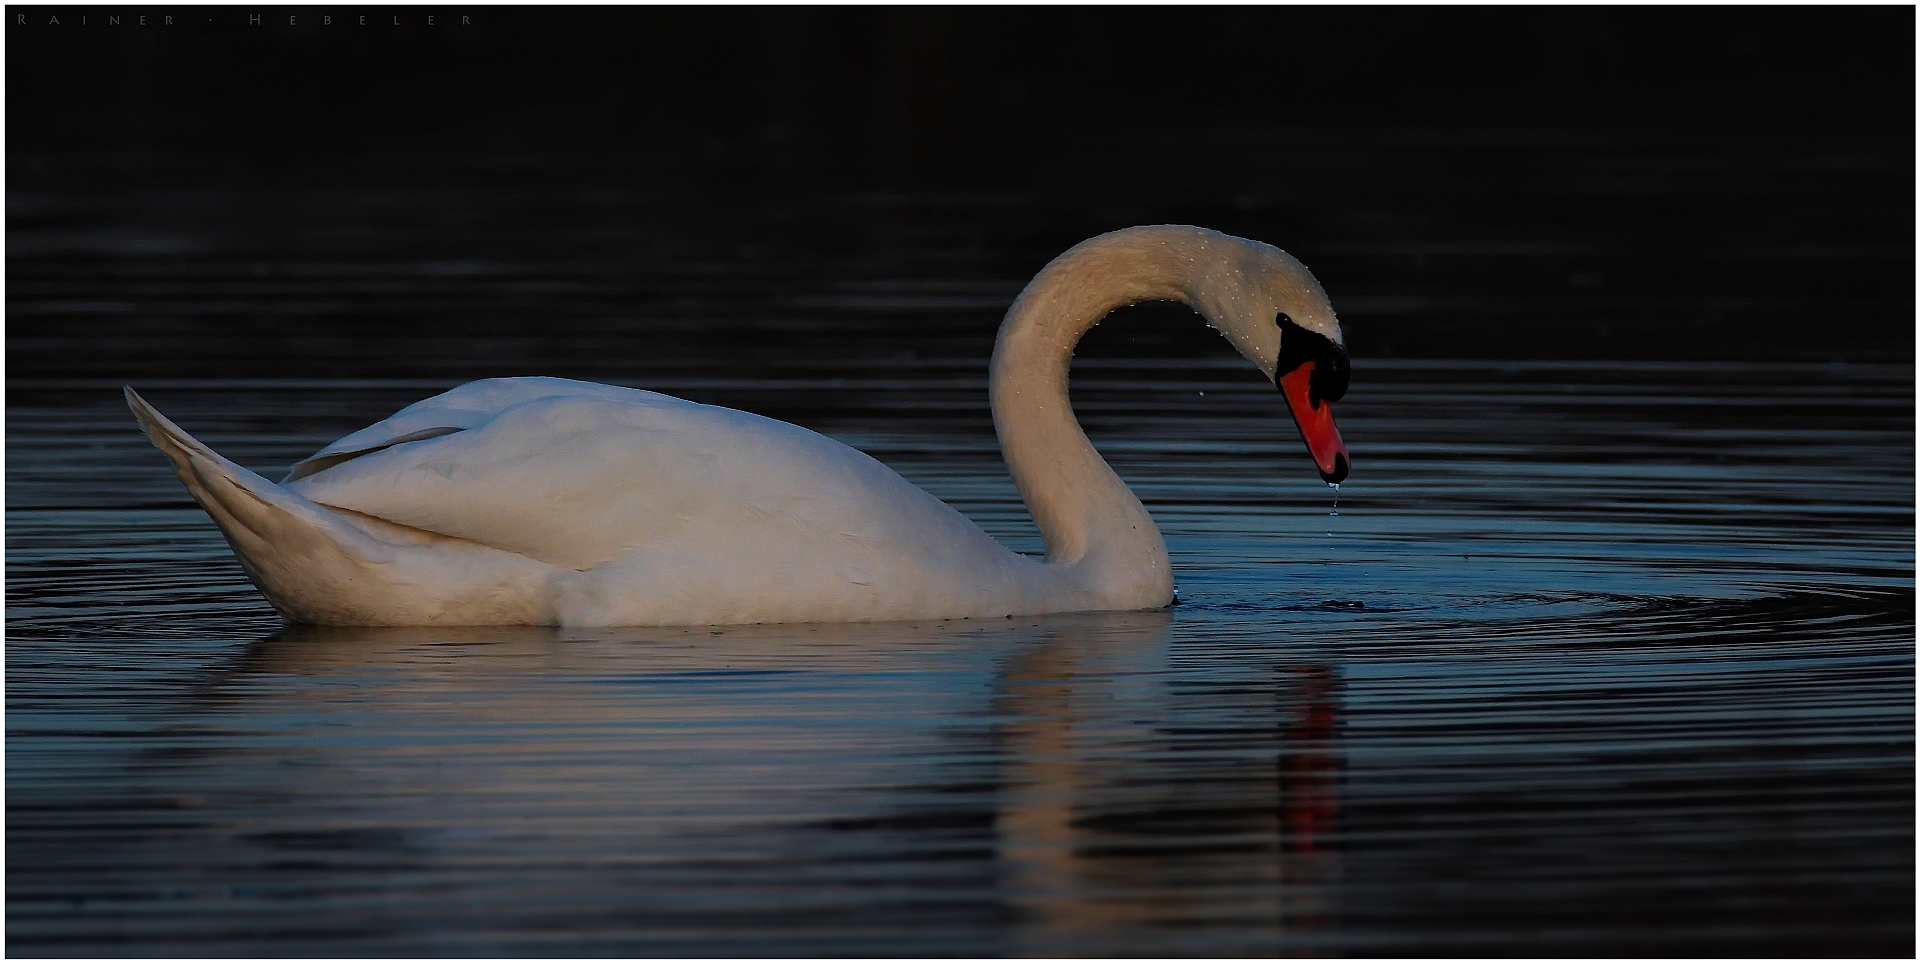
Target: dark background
(1634, 673)
(861, 90)
(548, 189)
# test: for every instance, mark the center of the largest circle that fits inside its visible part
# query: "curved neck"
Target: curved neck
(1088, 518)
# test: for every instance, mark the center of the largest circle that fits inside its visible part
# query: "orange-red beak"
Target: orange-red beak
(1314, 415)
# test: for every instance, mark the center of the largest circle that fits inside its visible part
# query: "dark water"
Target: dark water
(1609, 649)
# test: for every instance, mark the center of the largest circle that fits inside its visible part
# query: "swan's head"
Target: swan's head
(1270, 307)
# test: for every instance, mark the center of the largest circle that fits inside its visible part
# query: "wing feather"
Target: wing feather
(578, 480)
(469, 406)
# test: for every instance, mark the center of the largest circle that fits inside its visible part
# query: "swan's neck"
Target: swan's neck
(1093, 525)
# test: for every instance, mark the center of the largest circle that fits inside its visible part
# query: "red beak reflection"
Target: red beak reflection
(1315, 418)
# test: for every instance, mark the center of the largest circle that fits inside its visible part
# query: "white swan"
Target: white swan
(551, 501)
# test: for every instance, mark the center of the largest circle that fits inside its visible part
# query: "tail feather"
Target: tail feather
(237, 497)
(317, 565)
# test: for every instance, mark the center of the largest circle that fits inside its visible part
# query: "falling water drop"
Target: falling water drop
(1335, 486)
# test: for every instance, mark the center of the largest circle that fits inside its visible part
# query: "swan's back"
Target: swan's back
(707, 501)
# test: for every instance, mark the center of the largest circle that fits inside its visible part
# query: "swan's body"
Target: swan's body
(546, 500)
(571, 502)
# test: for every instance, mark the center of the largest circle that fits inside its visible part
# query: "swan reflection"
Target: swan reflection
(1105, 801)
(1119, 828)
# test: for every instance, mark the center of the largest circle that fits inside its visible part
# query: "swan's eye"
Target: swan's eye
(1299, 346)
(1331, 375)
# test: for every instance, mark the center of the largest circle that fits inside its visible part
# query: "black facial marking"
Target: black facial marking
(1299, 346)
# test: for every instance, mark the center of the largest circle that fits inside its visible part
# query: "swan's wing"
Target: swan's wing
(578, 480)
(468, 406)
